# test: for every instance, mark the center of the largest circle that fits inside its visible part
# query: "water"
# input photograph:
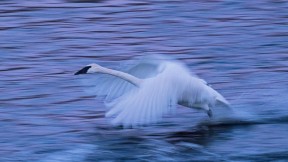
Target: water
(238, 47)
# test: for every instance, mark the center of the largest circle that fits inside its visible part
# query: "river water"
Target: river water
(239, 47)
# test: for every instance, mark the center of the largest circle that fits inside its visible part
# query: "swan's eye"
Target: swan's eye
(83, 71)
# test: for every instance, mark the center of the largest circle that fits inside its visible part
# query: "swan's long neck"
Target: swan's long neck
(125, 76)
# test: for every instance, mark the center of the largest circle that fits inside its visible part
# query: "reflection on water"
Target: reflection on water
(238, 47)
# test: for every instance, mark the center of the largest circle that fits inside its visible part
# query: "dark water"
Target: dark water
(240, 47)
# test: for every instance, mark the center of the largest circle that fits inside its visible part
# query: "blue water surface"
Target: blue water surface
(239, 47)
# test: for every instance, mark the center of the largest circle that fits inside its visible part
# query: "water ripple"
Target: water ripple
(239, 47)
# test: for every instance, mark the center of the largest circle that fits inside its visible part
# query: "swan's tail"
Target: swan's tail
(219, 98)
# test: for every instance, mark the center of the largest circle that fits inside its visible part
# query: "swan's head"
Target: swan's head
(91, 68)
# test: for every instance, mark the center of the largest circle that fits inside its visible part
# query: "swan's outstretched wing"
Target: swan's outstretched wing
(146, 105)
(108, 86)
(113, 87)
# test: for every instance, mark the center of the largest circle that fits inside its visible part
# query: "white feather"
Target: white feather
(112, 87)
(159, 85)
(146, 104)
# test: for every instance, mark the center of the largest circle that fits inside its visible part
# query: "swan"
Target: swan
(150, 89)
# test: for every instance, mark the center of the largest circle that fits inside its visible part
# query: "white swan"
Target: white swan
(151, 89)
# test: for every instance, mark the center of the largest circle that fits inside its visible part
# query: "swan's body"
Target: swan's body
(151, 89)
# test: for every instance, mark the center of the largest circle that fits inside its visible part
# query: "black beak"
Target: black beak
(83, 71)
